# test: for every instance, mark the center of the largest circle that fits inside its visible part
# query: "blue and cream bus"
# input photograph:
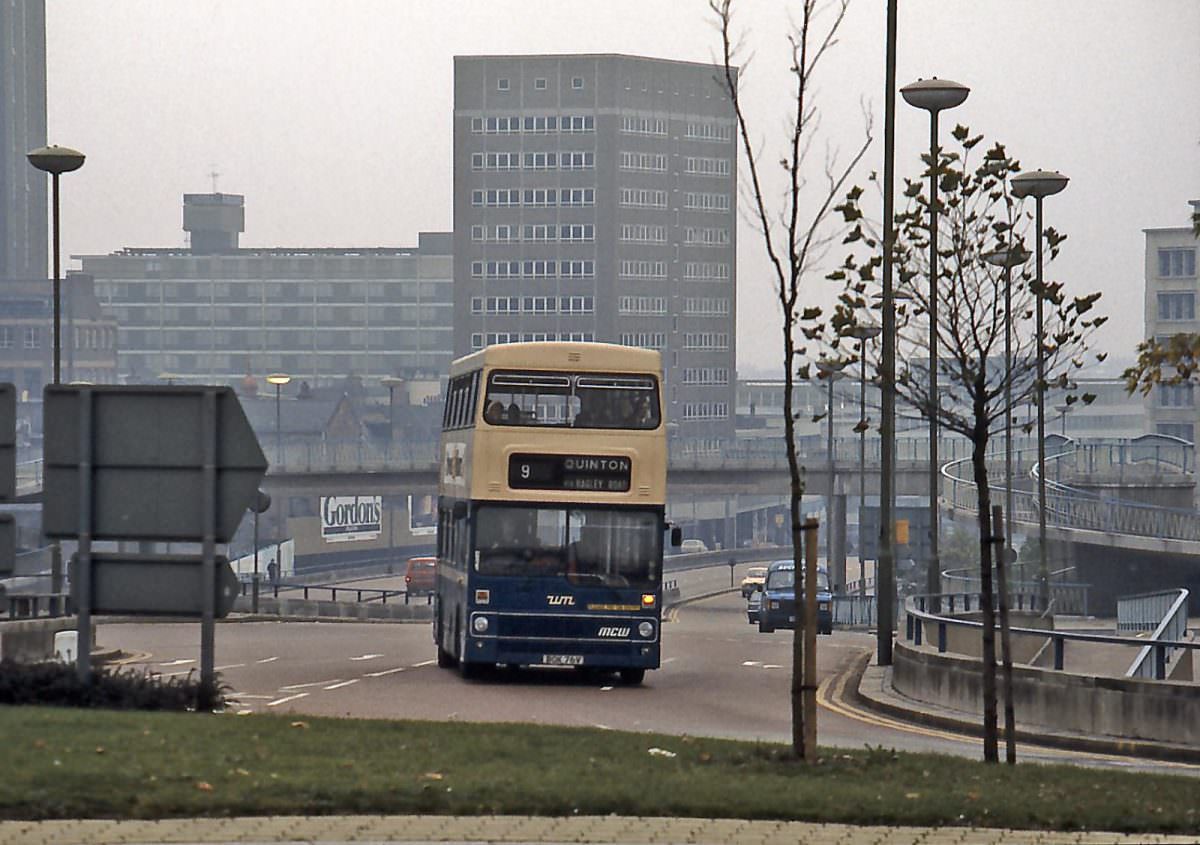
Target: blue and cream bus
(551, 509)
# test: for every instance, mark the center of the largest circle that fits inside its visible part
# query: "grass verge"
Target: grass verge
(64, 763)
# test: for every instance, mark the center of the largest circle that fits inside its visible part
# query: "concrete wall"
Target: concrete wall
(33, 639)
(1159, 711)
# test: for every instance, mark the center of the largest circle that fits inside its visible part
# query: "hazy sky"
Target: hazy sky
(334, 118)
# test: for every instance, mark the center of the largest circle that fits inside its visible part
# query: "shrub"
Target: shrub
(58, 684)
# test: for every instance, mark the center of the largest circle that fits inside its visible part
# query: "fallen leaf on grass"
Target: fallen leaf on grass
(303, 725)
(99, 749)
(912, 795)
(204, 786)
(660, 752)
(705, 757)
(433, 776)
(39, 743)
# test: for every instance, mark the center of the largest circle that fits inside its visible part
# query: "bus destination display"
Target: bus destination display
(601, 473)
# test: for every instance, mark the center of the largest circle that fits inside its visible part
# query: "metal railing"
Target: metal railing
(359, 594)
(1070, 507)
(917, 617)
(1066, 597)
(1164, 613)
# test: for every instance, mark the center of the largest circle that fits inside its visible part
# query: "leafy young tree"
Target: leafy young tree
(977, 215)
(793, 225)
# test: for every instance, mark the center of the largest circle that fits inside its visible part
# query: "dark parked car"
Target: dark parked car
(753, 606)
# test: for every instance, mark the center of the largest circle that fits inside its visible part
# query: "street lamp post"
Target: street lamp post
(831, 371)
(279, 380)
(1040, 184)
(1008, 258)
(56, 160)
(933, 95)
(391, 383)
(262, 501)
(862, 333)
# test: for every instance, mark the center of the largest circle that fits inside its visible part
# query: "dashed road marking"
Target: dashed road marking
(342, 684)
(311, 684)
(384, 672)
(366, 657)
(230, 666)
(267, 660)
(424, 663)
(183, 661)
(286, 699)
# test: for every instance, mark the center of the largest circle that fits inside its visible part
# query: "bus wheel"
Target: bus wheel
(632, 677)
(465, 668)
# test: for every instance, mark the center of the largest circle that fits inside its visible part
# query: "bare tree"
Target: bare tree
(793, 226)
(977, 215)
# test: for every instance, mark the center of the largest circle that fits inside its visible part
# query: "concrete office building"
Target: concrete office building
(595, 198)
(23, 209)
(216, 312)
(1170, 310)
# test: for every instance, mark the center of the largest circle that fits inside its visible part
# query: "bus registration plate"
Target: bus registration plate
(562, 659)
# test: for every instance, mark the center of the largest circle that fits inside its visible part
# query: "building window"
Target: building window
(1177, 306)
(632, 124)
(539, 84)
(702, 166)
(635, 269)
(577, 83)
(1177, 262)
(575, 232)
(652, 162)
(1184, 431)
(643, 198)
(538, 232)
(577, 123)
(645, 340)
(643, 233)
(502, 84)
(642, 305)
(706, 340)
(697, 201)
(1175, 396)
(578, 161)
(709, 131)
(6, 337)
(541, 161)
(578, 196)
(33, 337)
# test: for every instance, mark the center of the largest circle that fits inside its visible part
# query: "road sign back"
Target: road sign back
(147, 461)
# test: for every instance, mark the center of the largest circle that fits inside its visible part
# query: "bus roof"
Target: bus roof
(600, 357)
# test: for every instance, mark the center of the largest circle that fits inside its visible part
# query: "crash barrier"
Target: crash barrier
(331, 592)
(34, 639)
(937, 661)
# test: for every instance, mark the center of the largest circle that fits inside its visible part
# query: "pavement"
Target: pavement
(338, 830)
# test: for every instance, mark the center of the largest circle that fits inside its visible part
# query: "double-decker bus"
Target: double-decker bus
(551, 509)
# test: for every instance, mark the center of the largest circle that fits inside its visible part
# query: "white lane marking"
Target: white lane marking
(290, 687)
(183, 661)
(772, 666)
(605, 689)
(668, 660)
(366, 657)
(384, 672)
(342, 684)
(286, 699)
(242, 695)
(267, 660)
(230, 666)
(601, 727)
(424, 663)
(752, 663)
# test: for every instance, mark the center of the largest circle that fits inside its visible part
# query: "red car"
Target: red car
(420, 578)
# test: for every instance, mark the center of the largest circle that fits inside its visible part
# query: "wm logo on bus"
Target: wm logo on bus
(613, 631)
(559, 601)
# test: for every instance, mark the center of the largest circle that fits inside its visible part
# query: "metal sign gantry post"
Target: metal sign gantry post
(148, 463)
(8, 476)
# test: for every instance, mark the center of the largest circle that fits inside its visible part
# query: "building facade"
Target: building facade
(216, 312)
(595, 198)
(89, 335)
(23, 213)
(1171, 309)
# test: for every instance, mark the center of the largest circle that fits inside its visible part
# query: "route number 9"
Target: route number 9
(525, 472)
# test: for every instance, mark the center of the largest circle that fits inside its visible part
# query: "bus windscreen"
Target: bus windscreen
(581, 400)
(585, 545)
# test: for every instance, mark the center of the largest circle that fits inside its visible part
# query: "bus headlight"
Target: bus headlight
(646, 630)
(480, 624)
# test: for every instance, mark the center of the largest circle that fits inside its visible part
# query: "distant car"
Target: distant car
(756, 576)
(778, 608)
(692, 546)
(753, 606)
(420, 576)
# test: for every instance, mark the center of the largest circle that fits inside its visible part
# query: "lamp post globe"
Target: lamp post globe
(934, 96)
(56, 160)
(1040, 184)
